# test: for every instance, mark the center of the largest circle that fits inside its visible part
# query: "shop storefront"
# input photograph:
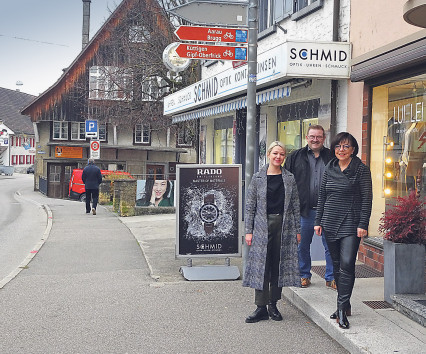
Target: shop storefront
(398, 141)
(294, 91)
(394, 102)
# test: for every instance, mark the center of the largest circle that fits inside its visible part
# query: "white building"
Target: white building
(303, 70)
(17, 141)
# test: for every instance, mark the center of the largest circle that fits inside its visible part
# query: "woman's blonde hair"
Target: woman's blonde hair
(275, 143)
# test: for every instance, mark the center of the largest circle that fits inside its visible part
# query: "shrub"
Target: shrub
(405, 222)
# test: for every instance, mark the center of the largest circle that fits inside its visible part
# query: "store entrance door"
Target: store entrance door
(59, 176)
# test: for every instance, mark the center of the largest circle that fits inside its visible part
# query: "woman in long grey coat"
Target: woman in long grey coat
(272, 226)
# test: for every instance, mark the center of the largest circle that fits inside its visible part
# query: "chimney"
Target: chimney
(86, 22)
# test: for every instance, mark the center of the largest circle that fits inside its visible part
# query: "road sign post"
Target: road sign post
(211, 52)
(212, 34)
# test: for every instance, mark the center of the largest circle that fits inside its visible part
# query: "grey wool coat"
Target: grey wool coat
(256, 223)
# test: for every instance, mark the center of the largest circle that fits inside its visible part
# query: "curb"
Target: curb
(34, 251)
(326, 325)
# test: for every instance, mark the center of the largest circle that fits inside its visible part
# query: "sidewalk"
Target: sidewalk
(89, 289)
(371, 331)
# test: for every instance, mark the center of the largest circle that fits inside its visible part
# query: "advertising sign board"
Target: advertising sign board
(208, 211)
(68, 152)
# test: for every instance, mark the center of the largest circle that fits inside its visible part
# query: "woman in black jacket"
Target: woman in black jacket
(343, 213)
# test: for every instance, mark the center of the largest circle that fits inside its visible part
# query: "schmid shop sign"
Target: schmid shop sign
(326, 60)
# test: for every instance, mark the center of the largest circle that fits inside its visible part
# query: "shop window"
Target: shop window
(186, 133)
(78, 131)
(60, 130)
(294, 121)
(223, 141)
(398, 143)
(142, 134)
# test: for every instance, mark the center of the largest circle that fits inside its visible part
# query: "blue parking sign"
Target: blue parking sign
(91, 128)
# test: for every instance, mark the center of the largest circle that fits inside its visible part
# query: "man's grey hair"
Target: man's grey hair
(91, 161)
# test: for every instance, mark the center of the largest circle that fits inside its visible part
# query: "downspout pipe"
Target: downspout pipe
(334, 87)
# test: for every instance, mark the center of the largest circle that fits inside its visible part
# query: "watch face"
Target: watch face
(209, 213)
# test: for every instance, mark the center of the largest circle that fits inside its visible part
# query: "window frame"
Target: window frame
(143, 128)
(62, 125)
(81, 133)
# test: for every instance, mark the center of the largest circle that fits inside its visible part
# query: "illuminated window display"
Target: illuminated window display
(398, 143)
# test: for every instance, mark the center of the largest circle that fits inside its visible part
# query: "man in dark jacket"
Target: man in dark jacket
(307, 165)
(92, 178)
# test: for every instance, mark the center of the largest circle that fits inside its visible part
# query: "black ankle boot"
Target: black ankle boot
(333, 316)
(261, 313)
(273, 312)
(342, 320)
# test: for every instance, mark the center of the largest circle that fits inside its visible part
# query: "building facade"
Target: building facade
(302, 77)
(387, 90)
(118, 81)
(17, 140)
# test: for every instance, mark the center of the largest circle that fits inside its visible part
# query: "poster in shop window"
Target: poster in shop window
(208, 211)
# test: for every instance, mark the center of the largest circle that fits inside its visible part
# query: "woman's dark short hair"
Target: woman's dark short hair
(345, 136)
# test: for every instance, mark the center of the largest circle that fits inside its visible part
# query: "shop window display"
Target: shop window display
(398, 145)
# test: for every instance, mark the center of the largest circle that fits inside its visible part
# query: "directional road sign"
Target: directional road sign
(211, 34)
(211, 52)
(202, 12)
(91, 128)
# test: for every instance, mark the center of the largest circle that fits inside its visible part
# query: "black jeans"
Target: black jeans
(91, 195)
(343, 252)
(271, 293)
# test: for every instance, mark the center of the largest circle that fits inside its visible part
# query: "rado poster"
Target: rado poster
(208, 211)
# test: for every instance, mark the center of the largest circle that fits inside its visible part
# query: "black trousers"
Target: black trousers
(92, 195)
(271, 293)
(343, 252)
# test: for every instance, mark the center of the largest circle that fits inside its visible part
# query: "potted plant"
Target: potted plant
(404, 230)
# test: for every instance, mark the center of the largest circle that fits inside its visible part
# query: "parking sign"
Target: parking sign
(91, 128)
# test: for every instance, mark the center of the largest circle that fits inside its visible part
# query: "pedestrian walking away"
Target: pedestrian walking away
(307, 165)
(92, 178)
(272, 226)
(343, 214)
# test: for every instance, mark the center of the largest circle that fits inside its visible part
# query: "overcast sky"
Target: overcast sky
(38, 38)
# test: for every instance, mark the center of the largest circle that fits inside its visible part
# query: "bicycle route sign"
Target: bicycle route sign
(211, 52)
(212, 34)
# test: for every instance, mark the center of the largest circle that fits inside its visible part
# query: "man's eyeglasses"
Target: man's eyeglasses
(315, 137)
(343, 147)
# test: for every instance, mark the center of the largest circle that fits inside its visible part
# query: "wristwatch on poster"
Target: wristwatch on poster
(209, 213)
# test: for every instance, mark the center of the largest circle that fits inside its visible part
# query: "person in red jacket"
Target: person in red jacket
(92, 178)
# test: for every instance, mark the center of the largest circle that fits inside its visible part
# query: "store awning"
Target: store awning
(232, 105)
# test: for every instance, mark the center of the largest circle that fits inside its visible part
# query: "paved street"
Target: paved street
(89, 290)
(22, 221)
